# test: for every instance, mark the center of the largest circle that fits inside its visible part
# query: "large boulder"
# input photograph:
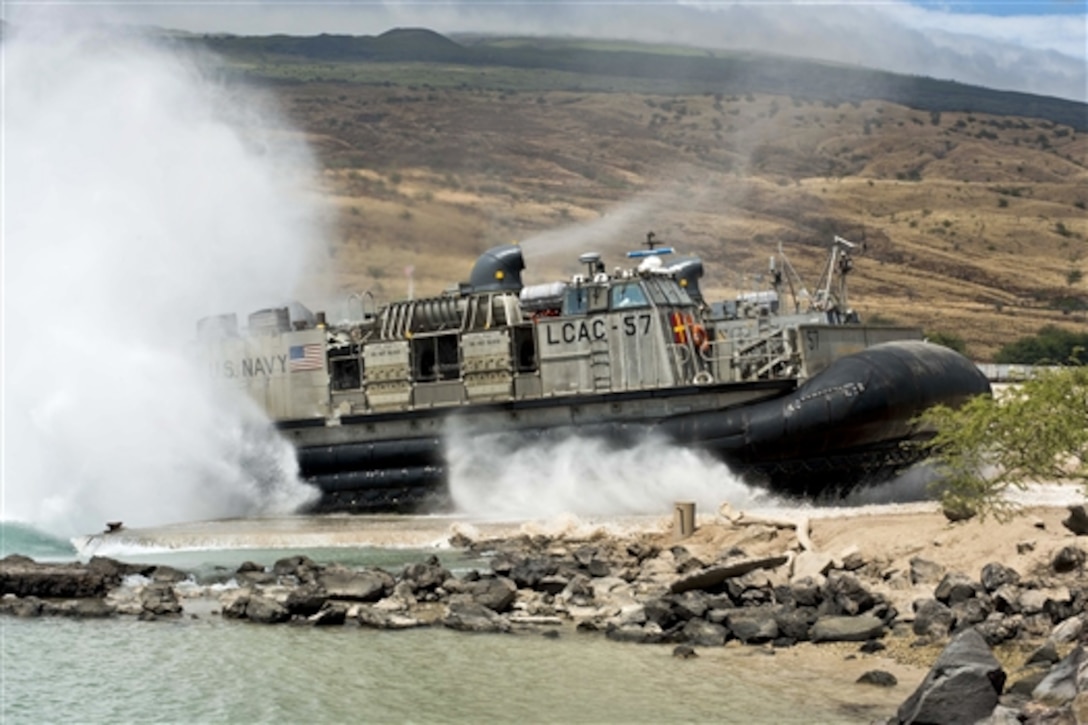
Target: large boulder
(473, 617)
(996, 575)
(932, 619)
(714, 577)
(924, 571)
(1065, 680)
(88, 608)
(955, 587)
(368, 585)
(1067, 559)
(704, 634)
(24, 577)
(496, 593)
(306, 600)
(425, 576)
(963, 685)
(375, 618)
(753, 625)
(844, 594)
(1077, 521)
(331, 614)
(847, 629)
(265, 610)
(794, 622)
(301, 567)
(160, 599)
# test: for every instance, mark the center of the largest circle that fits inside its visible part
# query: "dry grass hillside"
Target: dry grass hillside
(973, 224)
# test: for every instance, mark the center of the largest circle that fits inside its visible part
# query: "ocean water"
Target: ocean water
(201, 668)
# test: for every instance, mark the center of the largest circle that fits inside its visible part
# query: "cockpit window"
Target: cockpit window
(628, 295)
(576, 301)
(675, 294)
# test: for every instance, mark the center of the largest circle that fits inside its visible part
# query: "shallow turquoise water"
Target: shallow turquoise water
(205, 669)
(208, 670)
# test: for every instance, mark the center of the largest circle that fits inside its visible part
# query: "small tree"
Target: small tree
(1037, 431)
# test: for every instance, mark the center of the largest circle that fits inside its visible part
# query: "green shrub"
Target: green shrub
(1052, 345)
(1036, 431)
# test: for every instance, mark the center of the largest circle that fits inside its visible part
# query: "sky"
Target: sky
(1035, 46)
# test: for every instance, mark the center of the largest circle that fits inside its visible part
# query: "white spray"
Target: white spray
(138, 197)
(501, 476)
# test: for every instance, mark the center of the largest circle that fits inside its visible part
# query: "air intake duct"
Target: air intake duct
(497, 270)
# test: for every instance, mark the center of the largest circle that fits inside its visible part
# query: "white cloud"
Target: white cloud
(1043, 54)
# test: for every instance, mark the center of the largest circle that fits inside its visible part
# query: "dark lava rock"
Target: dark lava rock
(689, 605)
(374, 618)
(805, 592)
(427, 575)
(473, 617)
(302, 568)
(924, 571)
(330, 615)
(847, 629)
(1077, 522)
(236, 607)
(1059, 687)
(999, 628)
(684, 652)
(880, 678)
(1067, 559)
(931, 619)
(495, 593)
(710, 579)
(25, 607)
(753, 626)
(795, 622)
(368, 585)
(306, 600)
(1047, 654)
(704, 634)
(634, 633)
(846, 595)
(963, 685)
(969, 613)
(265, 610)
(955, 587)
(872, 646)
(598, 568)
(995, 576)
(89, 608)
(24, 577)
(160, 599)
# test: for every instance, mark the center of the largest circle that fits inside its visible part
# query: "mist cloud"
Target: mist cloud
(138, 197)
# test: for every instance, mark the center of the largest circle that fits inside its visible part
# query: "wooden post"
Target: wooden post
(683, 519)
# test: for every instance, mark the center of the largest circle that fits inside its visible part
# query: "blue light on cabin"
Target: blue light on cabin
(636, 254)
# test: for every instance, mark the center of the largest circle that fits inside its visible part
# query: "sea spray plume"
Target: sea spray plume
(139, 197)
(508, 476)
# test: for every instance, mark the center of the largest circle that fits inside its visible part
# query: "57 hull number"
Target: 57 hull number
(595, 329)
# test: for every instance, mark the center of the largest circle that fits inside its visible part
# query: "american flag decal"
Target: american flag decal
(306, 357)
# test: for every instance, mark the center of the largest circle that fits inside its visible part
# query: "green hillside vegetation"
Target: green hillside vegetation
(1051, 346)
(629, 67)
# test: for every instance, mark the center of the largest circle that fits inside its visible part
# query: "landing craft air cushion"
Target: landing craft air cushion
(800, 400)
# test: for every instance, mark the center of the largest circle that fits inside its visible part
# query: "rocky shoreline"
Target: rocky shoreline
(1009, 643)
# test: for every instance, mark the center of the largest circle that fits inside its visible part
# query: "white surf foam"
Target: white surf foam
(500, 476)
